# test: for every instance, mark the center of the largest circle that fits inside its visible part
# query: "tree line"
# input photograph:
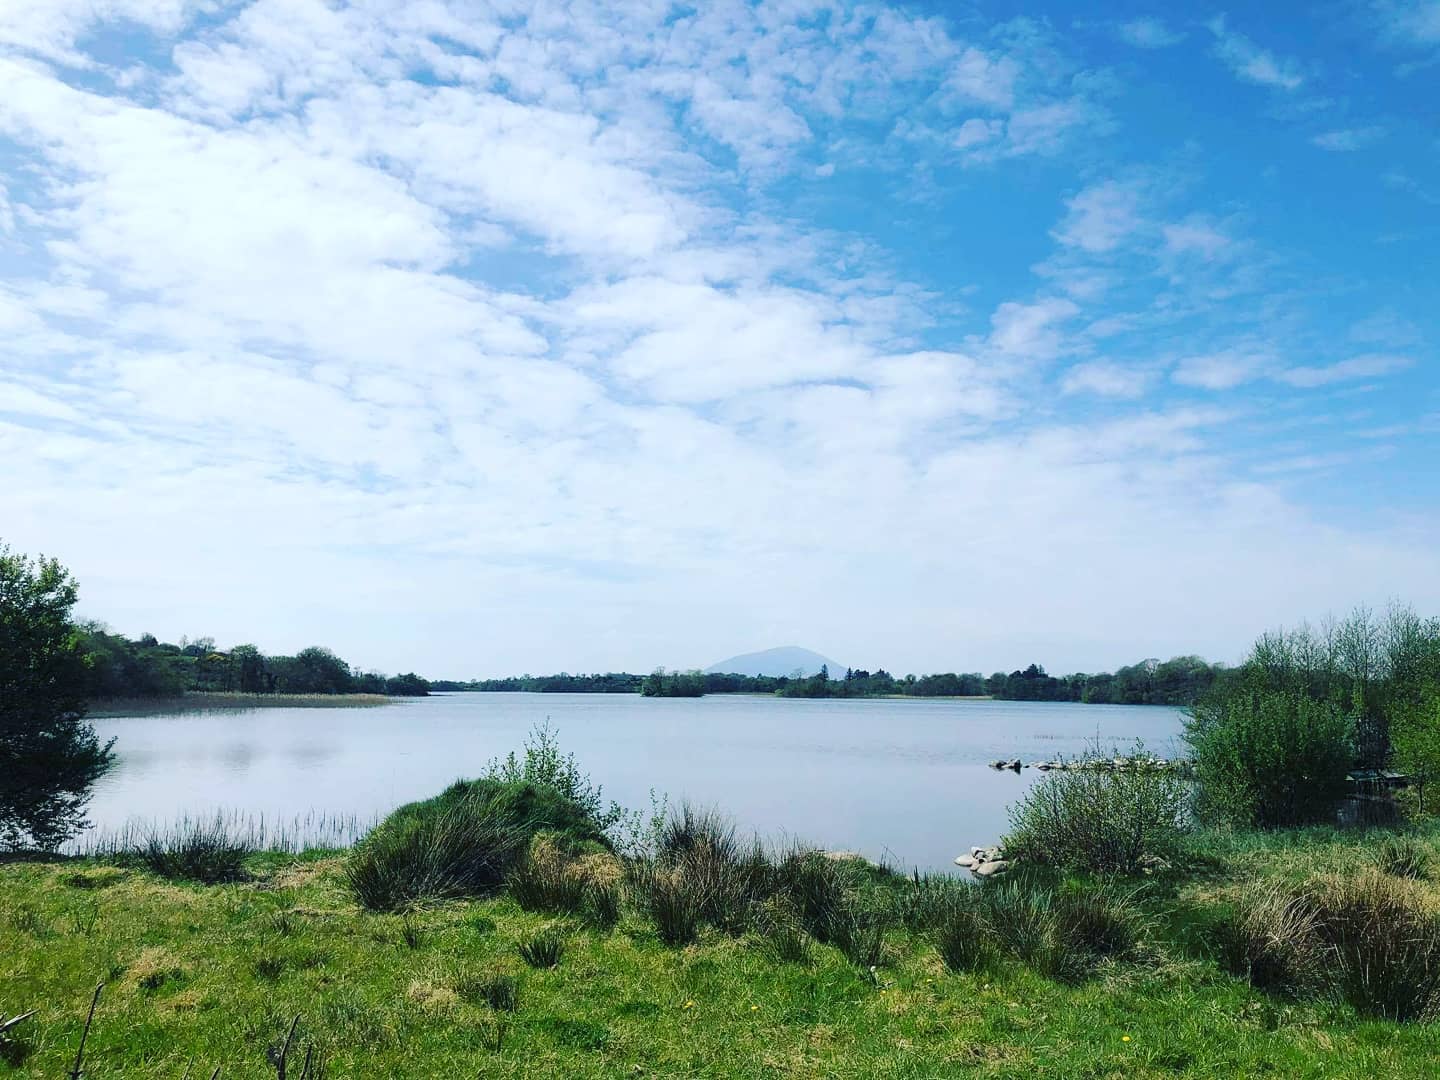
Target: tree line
(118, 667)
(1177, 682)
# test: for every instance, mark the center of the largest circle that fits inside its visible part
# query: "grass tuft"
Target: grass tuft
(543, 949)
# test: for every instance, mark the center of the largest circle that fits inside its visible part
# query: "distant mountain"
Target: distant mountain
(785, 660)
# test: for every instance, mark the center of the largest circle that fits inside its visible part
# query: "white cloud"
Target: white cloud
(1348, 139)
(1408, 23)
(1107, 379)
(1100, 217)
(1031, 331)
(1222, 370)
(1195, 238)
(1251, 63)
(1359, 367)
(1148, 33)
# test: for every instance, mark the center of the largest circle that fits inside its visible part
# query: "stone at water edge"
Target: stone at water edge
(990, 869)
(967, 861)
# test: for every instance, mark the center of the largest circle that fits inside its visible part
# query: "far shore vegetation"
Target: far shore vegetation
(1180, 681)
(197, 674)
(1271, 909)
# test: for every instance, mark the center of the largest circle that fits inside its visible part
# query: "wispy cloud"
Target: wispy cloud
(1250, 62)
(1348, 139)
(1148, 33)
(1358, 367)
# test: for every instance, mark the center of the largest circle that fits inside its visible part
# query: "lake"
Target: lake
(905, 780)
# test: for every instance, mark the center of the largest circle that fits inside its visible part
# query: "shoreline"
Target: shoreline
(205, 701)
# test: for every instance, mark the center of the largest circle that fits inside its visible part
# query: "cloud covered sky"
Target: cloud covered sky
(481, 338)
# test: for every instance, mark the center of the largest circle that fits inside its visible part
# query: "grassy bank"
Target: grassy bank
(198, 976)
(204, 701)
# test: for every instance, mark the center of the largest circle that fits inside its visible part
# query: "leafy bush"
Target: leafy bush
(459, 844)
(191, 851)
(1268, 758)
(545, 766)
(1101, 820)
(543, 949)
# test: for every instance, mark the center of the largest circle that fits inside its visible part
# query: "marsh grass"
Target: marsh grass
(1368, 937)
(1385, 942)
(313, 831)
(219, 701)
(1403, 855)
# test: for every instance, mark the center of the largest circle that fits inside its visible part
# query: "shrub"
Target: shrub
(460, 844)
(1402, 856)
(543, 949)
(544, 766)
(1102, 820)
(192, 851)
(1268, 758)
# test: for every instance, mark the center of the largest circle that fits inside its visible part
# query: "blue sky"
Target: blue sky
(487, 338)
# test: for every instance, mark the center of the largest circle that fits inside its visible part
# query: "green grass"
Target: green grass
(202, 976)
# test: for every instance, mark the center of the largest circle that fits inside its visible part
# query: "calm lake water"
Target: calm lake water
(906, 780)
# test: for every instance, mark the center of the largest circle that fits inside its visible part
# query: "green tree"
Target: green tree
(247, 669)
(49, 756)
(1268, 758)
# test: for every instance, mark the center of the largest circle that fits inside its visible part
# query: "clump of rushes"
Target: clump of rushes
(493, 989)
(543, 949)
(1272, 941)
(200, 851)
(461, 847)
(1386, 944)
(545, 880)
(672, 901)
(1403, 856)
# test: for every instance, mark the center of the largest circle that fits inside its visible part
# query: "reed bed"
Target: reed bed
(219, 701)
